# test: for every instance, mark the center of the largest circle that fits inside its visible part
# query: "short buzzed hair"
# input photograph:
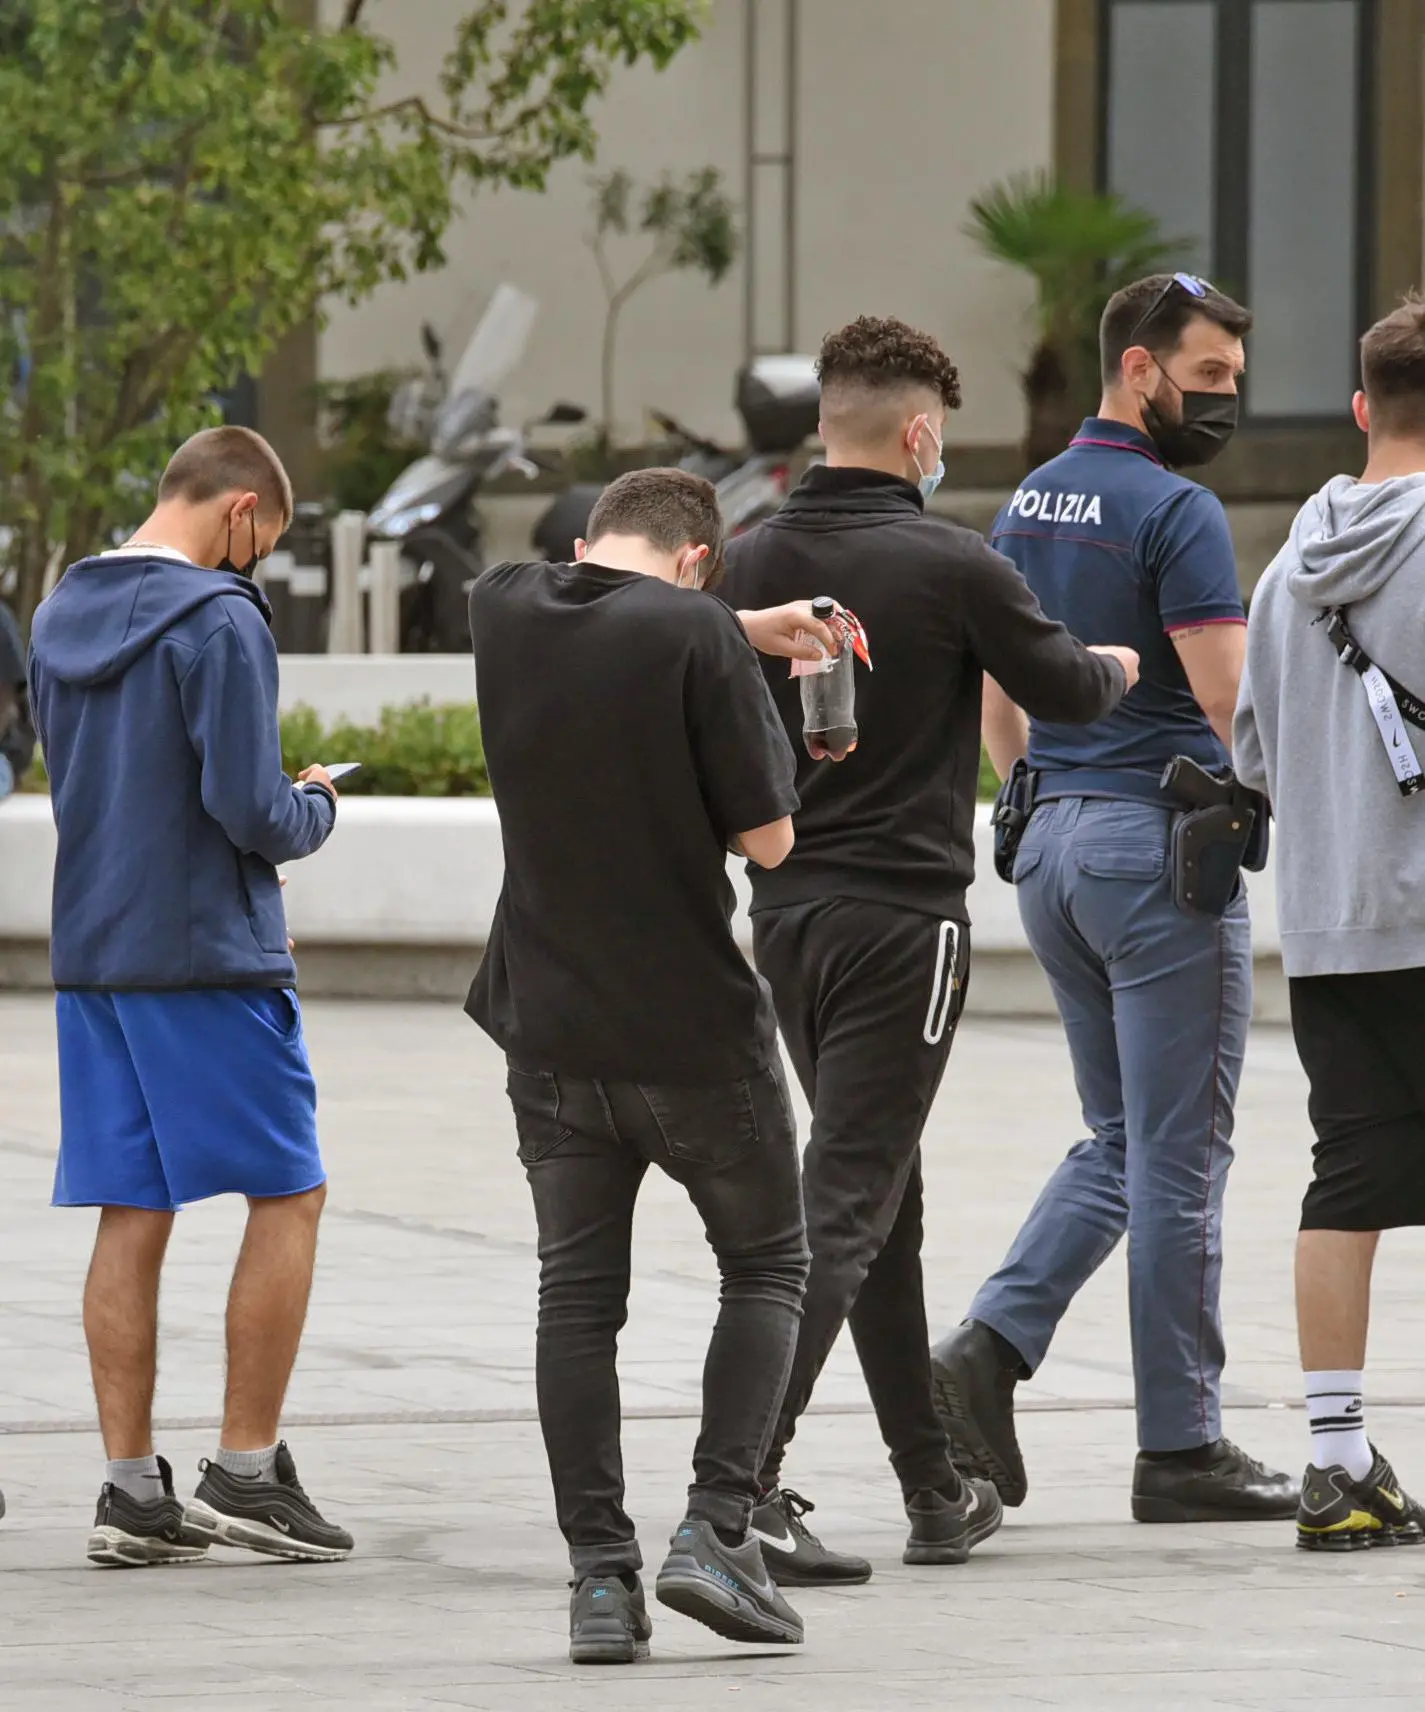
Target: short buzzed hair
(1393, 370)
(228, 460)
(667, 508)
(868, 367)
(1153, 311)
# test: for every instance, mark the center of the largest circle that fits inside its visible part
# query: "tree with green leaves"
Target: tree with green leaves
(1079, 247)
(185, 181)
(691, 226)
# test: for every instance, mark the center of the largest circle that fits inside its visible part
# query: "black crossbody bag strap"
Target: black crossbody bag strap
(1392, 706)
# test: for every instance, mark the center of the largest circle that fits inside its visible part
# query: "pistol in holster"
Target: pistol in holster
(1221, 828)
(1013, 807)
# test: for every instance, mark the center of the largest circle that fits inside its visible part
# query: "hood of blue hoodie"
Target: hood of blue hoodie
(1352, 537)
(107, 611)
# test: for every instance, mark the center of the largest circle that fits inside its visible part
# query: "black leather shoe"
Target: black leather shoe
(1218, 1483)
(974, 1372)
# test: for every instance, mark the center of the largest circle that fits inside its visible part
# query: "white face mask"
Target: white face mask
(929, 482)
(690, 574)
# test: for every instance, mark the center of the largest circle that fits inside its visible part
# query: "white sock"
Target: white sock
(1338, 1422)
(251, 1464)
(138, 1476)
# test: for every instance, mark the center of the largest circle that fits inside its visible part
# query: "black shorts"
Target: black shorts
(1361, 1041)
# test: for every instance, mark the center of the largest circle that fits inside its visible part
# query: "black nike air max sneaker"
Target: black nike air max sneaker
(943, 1529)
(608, 1621)
(133, 1533)
(1339, 1514)
(275, 1517)
(725, 1587)
(792, 1552)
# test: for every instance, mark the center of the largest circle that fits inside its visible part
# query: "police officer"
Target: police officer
(1155, 999)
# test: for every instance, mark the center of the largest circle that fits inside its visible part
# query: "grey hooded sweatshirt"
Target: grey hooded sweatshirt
(1350, 850)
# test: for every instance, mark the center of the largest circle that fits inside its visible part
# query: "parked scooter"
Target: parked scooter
(779, 401)
(429, 508)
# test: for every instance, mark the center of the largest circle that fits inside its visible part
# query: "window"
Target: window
(1244, 125)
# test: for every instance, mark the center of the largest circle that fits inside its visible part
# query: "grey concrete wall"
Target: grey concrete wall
(905, 112)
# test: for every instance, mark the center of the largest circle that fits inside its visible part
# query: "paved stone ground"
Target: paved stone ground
(412, 1417)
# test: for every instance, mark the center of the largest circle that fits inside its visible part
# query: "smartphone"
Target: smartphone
(340, 769)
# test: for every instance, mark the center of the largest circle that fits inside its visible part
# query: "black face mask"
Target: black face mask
(1209, 420)
(226, 562)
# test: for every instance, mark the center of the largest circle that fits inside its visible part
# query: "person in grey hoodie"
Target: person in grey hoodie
(1330, 742)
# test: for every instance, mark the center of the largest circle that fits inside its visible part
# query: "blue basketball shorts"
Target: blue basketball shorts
(172, 1097)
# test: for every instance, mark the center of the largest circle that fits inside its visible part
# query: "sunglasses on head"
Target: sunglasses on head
(1188, 282)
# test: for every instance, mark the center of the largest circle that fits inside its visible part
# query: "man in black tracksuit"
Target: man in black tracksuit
(862, 933)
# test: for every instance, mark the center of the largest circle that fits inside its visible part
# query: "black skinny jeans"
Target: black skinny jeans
(868, 997)
(585, 1147)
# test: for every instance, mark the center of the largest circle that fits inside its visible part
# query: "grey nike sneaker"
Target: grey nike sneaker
(608, 1621)
(726, 1587)
(135, 1533)
(275, 1517)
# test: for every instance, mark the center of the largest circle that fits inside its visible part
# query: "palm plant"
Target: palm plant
(1079, 246)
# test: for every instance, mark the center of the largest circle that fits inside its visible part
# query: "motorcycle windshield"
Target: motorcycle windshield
(428, 483)
(499, 341)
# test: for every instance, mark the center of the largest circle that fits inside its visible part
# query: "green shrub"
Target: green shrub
(361, 453)
(412, 751)
(418, 750)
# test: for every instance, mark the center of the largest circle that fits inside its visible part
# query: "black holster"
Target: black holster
(1221, 829)
(1013, 807)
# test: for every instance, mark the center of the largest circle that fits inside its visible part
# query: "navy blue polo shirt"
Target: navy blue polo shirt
(1120, 549)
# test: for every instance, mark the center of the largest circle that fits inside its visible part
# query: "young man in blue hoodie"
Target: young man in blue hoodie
(1333, 736)
(183, 1071)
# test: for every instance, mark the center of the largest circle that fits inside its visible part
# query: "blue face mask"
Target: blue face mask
(929, 483)
(7, 777)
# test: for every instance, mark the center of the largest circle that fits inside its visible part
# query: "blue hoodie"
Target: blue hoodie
(154, 689)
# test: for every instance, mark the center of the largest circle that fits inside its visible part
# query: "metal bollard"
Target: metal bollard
(348, 546)
(383, 610)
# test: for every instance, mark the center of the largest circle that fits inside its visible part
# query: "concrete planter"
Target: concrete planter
(400, 901)
(358, 686)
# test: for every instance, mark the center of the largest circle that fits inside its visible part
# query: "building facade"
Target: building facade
(1283, 139)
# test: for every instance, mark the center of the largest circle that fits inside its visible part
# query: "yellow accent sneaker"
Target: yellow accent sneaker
(1341, 1514)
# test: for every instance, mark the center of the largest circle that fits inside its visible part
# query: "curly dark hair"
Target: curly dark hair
(879, 354)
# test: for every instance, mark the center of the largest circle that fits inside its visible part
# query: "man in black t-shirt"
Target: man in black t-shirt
(863, 933)
(631, 741)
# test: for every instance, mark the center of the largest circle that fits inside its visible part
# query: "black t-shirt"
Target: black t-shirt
(894, 823)
(629, 735)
